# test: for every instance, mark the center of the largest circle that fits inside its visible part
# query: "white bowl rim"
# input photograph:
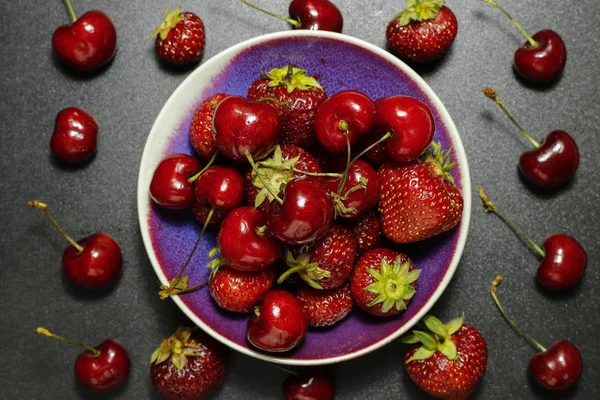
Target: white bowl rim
(143, 203)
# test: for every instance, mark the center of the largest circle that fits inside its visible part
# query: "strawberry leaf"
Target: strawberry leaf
(261, 197)
(410, 339)
(422, 353)
(178, 360)
(422, 11)
(435, 325)
(453, 326)
(448, 348)
(428, 341)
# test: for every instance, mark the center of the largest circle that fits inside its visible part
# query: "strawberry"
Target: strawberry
(295, 98)
(324, 264)
(418, 199)
(383, 282)
(326, 307)
(367, 231)
(239, 291)
(201, 135)
(423, 32)
(450, 361)
(180, 38)
(188, 366)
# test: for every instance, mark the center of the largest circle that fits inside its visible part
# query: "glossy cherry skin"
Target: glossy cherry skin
(360, 200)
(75, 135)
(411, 123)
(279, 324)
(105, 371)
(544, 63)
(557, 368)
(564, 264)
(87, 44)
(242, 246)
(221, 187)
(309, 386)
(306, 213)
(349, 107)
(553, 163)
(320, 15)
(240, 125)
(97, 266)
(170, 187)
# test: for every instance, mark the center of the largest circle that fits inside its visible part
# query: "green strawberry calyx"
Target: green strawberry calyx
(418, 10)
(339, 199)
(170, 20)
(438, 337)
(177, 348)
(309, 271)
(439, 162)
(271, 176)
(393, 285)
(291, 77)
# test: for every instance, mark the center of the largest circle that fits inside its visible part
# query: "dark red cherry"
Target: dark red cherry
(75, 135)
(310, 385)
(221, 187)
(347, 113)
(356, 197)
(170, 186)
(564, 263)
(557, 368)
(279, 324)
(543, 62)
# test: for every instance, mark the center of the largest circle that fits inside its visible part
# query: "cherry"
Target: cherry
(543, 57)
(100, 368)
(305, 214)
(557, 368)
(411, 124)
(279, 324)
(552, 162)
(87, 44)
(171, 185)
(310, 385)
(343, 118)
(564, 260)
(93, 262)
(360, 192)
(243, 128)
(75, 135)
(320, 15)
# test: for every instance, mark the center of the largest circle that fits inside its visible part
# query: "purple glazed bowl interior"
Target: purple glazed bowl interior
(339, 62)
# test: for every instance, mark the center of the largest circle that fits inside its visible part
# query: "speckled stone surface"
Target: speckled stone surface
(125, 99)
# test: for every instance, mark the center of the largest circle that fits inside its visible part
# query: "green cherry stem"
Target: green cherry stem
(348, 161)
(531, 40)
(512, 323)
(329, 174)
(46, 332)
(265, 184)
(44, 208)
(493, 95)
(207, 166)
(491, 207)
(71, 11)
(293, 22)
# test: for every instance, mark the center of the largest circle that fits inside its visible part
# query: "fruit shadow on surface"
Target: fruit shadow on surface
(84, 393)
(70, 73)
(501, 24)
(173, 69)
(539, 86)
(543, 394)
(70, 168)
(490, 117)
(542, 193)
(427, 69)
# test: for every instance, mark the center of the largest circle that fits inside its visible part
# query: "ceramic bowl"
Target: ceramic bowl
(340, 62)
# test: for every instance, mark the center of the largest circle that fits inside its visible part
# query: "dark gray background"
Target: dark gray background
(125, 99)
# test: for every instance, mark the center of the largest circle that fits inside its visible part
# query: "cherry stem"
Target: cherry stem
(344, 178)
(493, 95)
(289, 371)
(491, 207)
(293, 22)
(44, 208)
(71, 11)
(512, 323)
(330, 174)
(265, 184)
(210, 163)
(289, 272)
(531, 40)
(46, 332)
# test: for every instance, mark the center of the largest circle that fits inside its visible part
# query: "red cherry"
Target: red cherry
(411, 123)
(94, 262)
(309, 386)
(75, 135)
(557, 368)
(320, 15)
(170, 186)
(100, 368)
(348, 114)
(355, 198)
(87, 44)
(279, 324)
(241, 126)
(221, 187)
(305, 214)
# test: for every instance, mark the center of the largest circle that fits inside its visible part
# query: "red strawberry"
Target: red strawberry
(325, 264)
(201, 135)
(418, 199)
(238, 291)
(295, 97)
(451, 360)
(383, 282)
(188, 366)
(326, 307)
(423, 32)
(180, 38)
(367, 231)
(277, 170)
